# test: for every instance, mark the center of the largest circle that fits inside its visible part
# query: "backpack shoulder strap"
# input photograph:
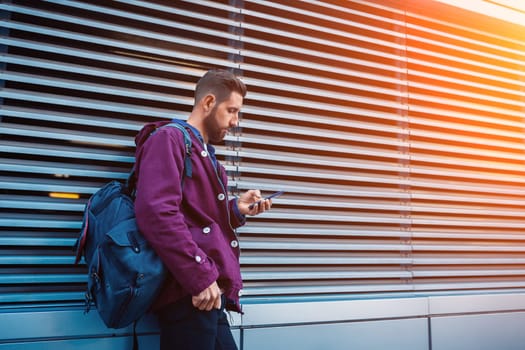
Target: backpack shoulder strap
(131, 180)
(187, 143)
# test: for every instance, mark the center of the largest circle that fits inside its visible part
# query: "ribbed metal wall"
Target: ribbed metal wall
(467, 109)
(395, 128)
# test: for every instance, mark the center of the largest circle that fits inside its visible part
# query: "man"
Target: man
(190, 221)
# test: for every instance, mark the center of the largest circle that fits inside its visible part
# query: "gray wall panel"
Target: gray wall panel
(410, 334)
(479, 332)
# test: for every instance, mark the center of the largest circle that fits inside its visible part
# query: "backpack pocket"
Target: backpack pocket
(126, 275)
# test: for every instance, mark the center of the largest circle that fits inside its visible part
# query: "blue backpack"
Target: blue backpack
(125, 275)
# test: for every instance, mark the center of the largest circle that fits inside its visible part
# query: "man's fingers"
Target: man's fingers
(217, 304)
(208, 299)
(204, 303)
(196, 301)
(212, 303)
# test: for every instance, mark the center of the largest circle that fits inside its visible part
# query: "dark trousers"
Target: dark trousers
(184, 327)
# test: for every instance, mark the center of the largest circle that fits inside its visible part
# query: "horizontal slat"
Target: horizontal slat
(448, 185)
(329, 94)
(469, 286)
(46, 221)
(81, 137)
(465, 174)
(47, 278)
(308, 103)
(91, 104)
(322, 30)
(285, 114)
(41, 167)
(464, 152)
(152, 20)
(325, 289)
(322, 275)
(469, 222)
(486, 40)
(47, 185)
(449, 197)
(58, 170)
(35, 260)
(88, 71)
(457, 210)
(477, 65)
(353, 275)
(468, 273)
(363, 81)
(325, 260)
(39, 203)
(71, 85)
(364, 288)
(11, 239)
(313, 215)
(493, 89)
(320, 174)
(136, 60)
(65, 152)
(333, 230)
(492, 248)
(307, 155)
(497, 129)
(475, 139)
(312, 40)
(458, 94)
(343, 20)
(40, 296)
(319, 230)
(110, 28)
(331, 260)
(361, 137)
(332, 162)
(458, 103)
(322, 246)
(68, 118)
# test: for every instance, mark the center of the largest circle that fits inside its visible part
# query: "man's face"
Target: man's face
(223, 117)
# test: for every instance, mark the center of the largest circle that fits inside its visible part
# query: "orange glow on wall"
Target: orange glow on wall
(512, 11)
(63, 195)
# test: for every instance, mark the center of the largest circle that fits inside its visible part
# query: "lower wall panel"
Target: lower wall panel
(150, 342)
(479, 332)
(480, 322)
(410, 334)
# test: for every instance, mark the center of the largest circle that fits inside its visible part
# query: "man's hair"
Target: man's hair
(219, 82)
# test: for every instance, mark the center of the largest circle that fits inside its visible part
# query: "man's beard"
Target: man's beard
(215, 132)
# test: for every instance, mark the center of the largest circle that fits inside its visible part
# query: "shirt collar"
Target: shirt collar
(197, 133)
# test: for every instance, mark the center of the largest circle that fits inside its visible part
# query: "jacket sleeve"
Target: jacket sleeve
(160, 163)
(236, 218)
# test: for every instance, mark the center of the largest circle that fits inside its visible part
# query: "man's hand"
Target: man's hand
(208, 299)
(250, 197)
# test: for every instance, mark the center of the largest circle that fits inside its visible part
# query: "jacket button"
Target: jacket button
(198, 259)
(234, 244)
(204, 153)
(206, 230)
(221, 196)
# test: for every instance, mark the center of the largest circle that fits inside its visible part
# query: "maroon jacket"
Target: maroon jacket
(189, 222)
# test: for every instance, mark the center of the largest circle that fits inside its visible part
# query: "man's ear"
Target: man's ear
(208, 102)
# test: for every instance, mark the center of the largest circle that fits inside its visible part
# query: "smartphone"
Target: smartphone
(273, 195)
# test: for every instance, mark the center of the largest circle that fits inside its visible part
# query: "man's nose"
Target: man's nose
(234, 121)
